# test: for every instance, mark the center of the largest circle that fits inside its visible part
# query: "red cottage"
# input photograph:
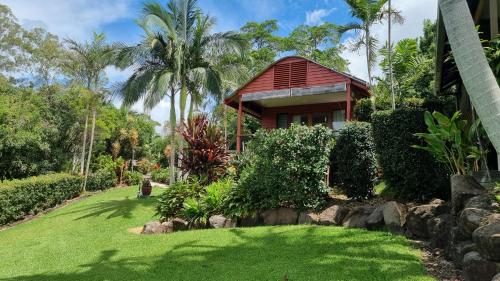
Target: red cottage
(297, 90)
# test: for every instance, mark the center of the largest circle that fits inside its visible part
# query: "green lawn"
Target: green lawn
(88, 240)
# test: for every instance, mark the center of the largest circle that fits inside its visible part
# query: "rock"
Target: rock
(470, 219)
(479, 202)
(248, 221)
(279, 216)
(496, 277)
(154, 227)
(357, 217)
(219, 221)
(439, 230)
(463, 188)
(454, 244)
(416, 221)
(437, 201)
(376, 219)
(487, 239)
(179, 224)
(493, 218)
(395, 216)
(477, 268)
(459, 250)
(308, 218)
(333, 215)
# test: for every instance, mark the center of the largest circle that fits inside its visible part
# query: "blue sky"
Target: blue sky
(78, 18)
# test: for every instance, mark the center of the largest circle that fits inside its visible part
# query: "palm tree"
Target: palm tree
(368, 12)
(478, 79)
(86, 63)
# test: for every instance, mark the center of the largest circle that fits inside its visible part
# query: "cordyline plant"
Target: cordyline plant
(452, 142)
(205, 155)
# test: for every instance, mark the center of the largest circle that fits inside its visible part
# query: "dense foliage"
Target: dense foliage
(363, 110)
(132, 178)
(101, 180)
(171, 201)
(20, 198)
(285, 167)
(160, 175)
(353, 162)
(410, 173)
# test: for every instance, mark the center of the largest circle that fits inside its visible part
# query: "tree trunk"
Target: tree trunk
(474, 70)
(94, 115)
(191, 107)
(172, 136)
(133, 158)
(182, 109)
(225, 125)
(389, 47)
(368, 59)
(84, 144)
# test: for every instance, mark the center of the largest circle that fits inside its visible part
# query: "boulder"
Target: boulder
(179, 224)
(376, 219)
(459, 250)
(487, 239)
(333, 215)
(493, 218)
(470, 219)
(477, 268)
(456, 242)
(155, 227)
(437, 201)
(416, 221)
(439, 229)
(308, 218)
(395, 216)
(496, 277)
(463, 188)
(219, 221)
(479, 202)
(357, 216)
(248, 221)
(279, 216)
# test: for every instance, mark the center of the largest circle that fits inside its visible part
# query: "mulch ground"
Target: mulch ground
(436, 264)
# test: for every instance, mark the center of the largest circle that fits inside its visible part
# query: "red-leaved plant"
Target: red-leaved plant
(205, 155)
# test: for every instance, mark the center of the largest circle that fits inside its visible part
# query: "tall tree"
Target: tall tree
(477, 76)
(264, 44)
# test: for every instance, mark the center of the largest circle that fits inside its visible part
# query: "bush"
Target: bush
(132, 178)
(19, 198)
(353, 162)
(410, 173)
(101, 180)
(363, 110)
(144, 166)
(171, 201)
(161, 175)
(284, 167)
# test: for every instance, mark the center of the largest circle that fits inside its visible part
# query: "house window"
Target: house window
(320, 118)
(300, 119)
(338, 119)
(282, 120)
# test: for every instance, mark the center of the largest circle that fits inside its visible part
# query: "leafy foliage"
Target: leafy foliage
(363, 110)
(171, 202)
(132, 178)
(101, 180)
(409, 173)
(286, 167)
(19, 198)
(160, 175)
(353, 162)
(452, 142)
(205, 155)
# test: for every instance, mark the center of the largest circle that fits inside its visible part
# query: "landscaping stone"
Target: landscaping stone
(459, 250)
(463, 188)
(395, 216)
(416, 221)
(219, 221)
(487, 239)
(376, 219)
(154, 227)
(477, 268)
(179, 224)
(357, 216)
(439, 230)
(479, 202)
(333, 215)
(470, 219)
(279, 216)
(455, 244)
(248, 221)
(308, 218)
(492, 218)
(496, 277)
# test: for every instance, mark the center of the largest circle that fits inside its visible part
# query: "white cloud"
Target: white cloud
(414, 13)
(76, 18)
(315, 17)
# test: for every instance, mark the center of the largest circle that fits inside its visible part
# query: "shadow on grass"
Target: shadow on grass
(272, 254)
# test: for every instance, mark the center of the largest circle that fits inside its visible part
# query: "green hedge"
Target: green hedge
(19, 198)
(161, 175)
(101, 180)
(353, 162)
(363, 110)
(410, 173)
(133, 178)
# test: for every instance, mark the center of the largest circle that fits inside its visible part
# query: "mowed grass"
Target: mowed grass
(88, 240)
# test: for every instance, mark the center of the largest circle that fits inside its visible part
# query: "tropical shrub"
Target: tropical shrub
(160, 175)
(215, 195)
(353, 162)
(144, 166)
(171, 201)
(132, 178)
(101, 180)
(285, 167)
(363, 110)
(452, 142)
(205, 155)
(409, 173)
(20, 198)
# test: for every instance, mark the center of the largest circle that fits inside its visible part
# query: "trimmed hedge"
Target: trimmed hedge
(410, 173)
(363, 110)
(19, 198)
(353, 162)
(101, 180)
(132, 178)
